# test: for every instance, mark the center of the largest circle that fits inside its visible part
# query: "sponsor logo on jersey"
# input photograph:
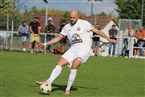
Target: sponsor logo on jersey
(76, 39)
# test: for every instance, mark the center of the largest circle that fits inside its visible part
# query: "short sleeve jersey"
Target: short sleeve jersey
(79, 33)
(34, 26)
(24, 29)
(126, 33)
(140, 34)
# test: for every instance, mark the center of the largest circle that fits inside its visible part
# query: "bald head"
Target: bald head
(129, 27)
(74, 12)
(74, 16)
(141, 29)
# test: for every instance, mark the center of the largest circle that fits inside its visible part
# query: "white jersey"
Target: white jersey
(79, 33)
(126, 33)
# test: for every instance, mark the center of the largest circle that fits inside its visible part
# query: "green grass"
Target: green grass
(98, 77)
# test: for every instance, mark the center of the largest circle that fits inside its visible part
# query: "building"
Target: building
(105, 23)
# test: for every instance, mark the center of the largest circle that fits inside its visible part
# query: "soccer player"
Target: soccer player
(79, 32)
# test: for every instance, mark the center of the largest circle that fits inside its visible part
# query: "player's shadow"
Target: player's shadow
(62, 87)
(87, 87)
(73, 88)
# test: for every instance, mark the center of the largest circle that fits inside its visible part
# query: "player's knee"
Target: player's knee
(62, 62)
(58, 62)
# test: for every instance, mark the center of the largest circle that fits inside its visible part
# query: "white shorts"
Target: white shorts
(24, 38)
(81, 52)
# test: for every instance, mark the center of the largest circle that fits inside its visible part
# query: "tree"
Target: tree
(102, 14)
(6, 6)
(10, 8)
(129, 9)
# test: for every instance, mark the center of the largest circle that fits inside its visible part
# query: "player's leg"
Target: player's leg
(67, 57)
(81, 55)
(56, 71)
(73, 72)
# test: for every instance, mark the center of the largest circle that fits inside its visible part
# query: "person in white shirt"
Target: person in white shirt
(79, 32)
(128, 34)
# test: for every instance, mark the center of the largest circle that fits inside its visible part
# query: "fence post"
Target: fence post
(45, 42)
(131, 47)
(11, 42)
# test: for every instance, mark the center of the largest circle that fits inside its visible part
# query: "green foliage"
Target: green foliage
(130, 9)
(6, 6)
(2, 23)
(102, 14)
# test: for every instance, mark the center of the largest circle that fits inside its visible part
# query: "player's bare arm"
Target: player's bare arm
(55, 40)
(103, 35)
(31, 30)
(39, 30)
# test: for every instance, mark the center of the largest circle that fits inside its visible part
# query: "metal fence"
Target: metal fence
(11, 40)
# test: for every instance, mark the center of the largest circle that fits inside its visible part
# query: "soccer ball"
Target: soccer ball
(46, 88)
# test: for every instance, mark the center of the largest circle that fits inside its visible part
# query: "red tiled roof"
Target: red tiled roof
(100, 20)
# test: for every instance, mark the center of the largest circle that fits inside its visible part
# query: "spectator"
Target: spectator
(127, 36)
(64, 40)
(135, 49)
(141, 39)
(23, 29)
(34, 36)
(113, 35)
(50, 28)
(96, 41)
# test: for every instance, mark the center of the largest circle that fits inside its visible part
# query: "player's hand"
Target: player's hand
(41, 44)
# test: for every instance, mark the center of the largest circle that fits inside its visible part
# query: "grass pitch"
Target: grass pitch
(98, 77)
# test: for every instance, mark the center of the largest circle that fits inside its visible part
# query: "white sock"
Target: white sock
(55, 73)
(71, 78)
